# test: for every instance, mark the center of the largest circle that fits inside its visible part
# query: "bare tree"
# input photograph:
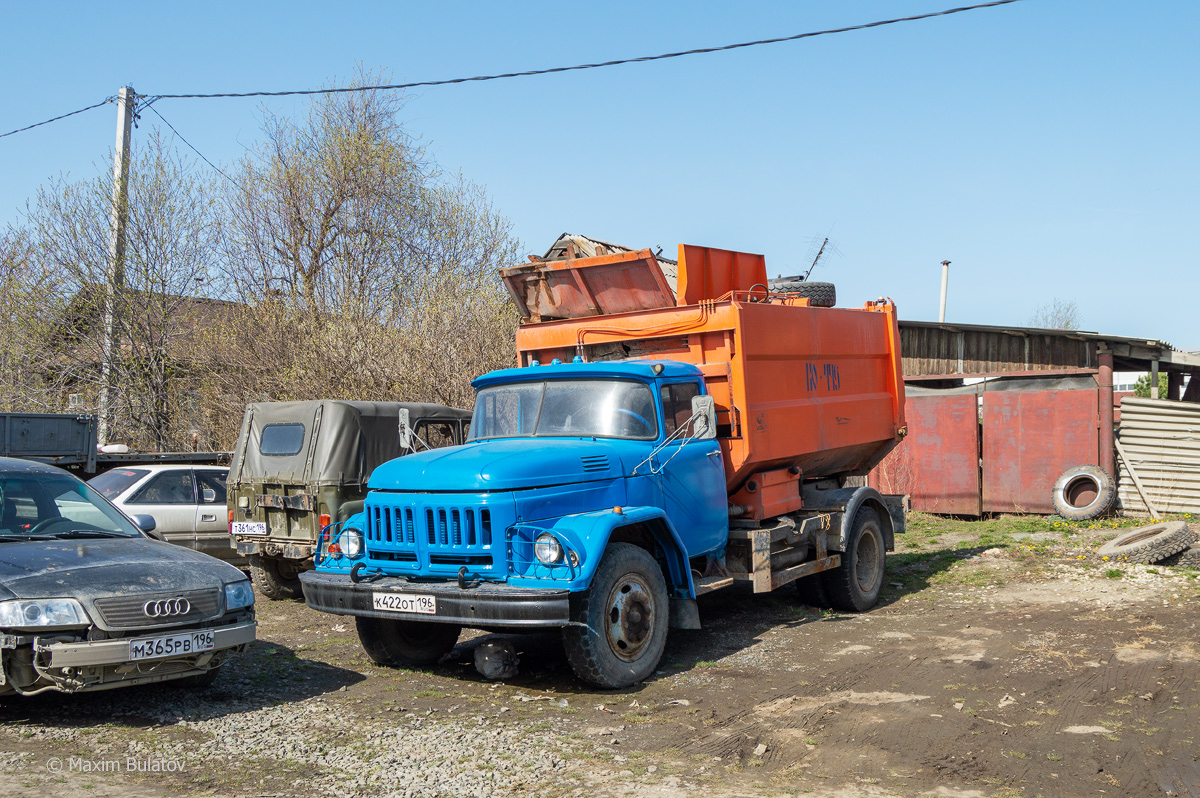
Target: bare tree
(369, 273)
(1058, 314)
(170, 251)
(30, 297)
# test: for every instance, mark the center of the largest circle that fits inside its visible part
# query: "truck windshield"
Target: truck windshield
(574, 408)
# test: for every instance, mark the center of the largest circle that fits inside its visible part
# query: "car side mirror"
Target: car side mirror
(405, 430)
(704, 411)
(147, 524)
(209, 495)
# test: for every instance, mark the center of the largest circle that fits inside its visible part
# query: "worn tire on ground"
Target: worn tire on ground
(1084, 492)
(1148, 544)
(855, 584)
(1188, 558)
(399, 644)
(623, 618)
(820, 295)
(272, 581)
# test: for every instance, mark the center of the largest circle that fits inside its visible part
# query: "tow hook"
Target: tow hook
(356, 574)
(463, 582)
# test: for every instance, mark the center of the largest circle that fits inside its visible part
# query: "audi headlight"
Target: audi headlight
(547, 549)
(351, 542)
(238, 595)
(42, 613)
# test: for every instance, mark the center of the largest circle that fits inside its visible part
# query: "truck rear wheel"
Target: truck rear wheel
(625, 613)
(275, 579)
(855, 584)
(397, 644)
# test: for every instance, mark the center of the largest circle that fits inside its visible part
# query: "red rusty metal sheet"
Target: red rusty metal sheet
(937, 464)
(1029, 439)
(572, 289)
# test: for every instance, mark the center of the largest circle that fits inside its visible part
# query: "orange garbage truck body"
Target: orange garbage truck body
(802, 392)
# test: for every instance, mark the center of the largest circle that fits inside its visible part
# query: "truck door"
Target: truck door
(693, 478)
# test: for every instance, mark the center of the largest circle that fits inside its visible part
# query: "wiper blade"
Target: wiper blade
(89, 533)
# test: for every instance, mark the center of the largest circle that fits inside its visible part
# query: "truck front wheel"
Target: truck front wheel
(275, 579)
(620, 622)
(854, 585)
(397, 644)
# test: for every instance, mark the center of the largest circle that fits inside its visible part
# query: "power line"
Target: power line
(105, 101)
(553, 70)
(185, 141)
(642, 59)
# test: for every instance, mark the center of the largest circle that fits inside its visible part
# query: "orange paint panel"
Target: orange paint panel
(819, 389)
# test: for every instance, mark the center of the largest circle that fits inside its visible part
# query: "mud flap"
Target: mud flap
(685, 614)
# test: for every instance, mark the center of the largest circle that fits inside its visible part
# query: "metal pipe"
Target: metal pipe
(945, 280)
(1107, 436)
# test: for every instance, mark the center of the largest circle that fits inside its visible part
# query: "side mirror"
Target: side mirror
(146, 523)
(405, 430)
(704, 411)
(208, 495)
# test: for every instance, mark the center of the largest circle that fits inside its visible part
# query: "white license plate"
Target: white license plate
(249, 527)
(404, 602)
(176, 645)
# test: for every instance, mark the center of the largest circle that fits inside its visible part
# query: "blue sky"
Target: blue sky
(1047, 148)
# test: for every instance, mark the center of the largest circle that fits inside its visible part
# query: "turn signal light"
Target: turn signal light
(322, 521)
(231, 522)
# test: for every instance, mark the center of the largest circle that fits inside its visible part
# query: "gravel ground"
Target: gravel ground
(1000, 662)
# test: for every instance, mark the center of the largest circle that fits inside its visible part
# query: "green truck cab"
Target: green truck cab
(300, 466)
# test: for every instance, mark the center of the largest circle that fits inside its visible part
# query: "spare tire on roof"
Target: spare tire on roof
(1148, 544)
(821, 295)
(1084, 492)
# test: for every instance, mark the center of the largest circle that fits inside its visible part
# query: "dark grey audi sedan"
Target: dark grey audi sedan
(89, 600)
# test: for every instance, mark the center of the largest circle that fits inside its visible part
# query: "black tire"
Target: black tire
(1188, 558)
(199, 681)
(855, 584)
(1148, 544)
(275, 580)
(399, 644)
(821, 295)
(626, 613)
(1083, 493)
(812, 592)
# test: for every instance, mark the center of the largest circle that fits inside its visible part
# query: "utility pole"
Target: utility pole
(109, 346)
(945, 280)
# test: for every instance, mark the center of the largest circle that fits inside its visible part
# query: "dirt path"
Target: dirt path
(1020, 673)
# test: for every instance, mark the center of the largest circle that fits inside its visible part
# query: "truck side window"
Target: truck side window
(677, 404)
(436, 433)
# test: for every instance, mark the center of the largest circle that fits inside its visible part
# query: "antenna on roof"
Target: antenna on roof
(820, 252)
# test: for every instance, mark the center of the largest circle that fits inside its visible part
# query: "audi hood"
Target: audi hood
(91, 569)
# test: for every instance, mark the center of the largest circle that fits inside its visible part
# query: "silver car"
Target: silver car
(186, 502)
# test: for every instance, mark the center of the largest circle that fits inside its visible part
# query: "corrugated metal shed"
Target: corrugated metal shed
(1162, 439)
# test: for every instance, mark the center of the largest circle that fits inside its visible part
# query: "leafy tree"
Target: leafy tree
(1142, 386)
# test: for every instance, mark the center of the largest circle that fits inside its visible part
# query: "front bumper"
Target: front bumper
(488, 604)
(116, 652)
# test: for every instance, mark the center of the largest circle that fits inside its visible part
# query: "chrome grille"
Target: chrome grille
(126, 612)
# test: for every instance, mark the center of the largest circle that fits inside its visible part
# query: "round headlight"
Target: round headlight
(351, 542)
(547, 549)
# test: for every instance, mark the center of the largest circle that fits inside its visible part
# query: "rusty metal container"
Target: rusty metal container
(816, 391)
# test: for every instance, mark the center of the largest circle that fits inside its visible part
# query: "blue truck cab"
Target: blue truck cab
(588, 496)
